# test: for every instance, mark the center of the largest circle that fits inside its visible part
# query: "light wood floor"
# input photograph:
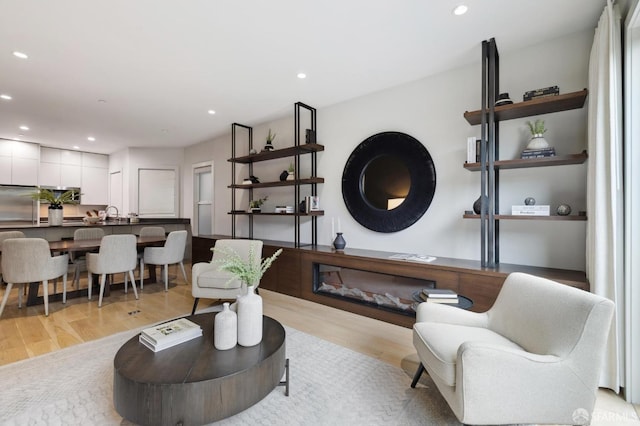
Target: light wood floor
(27, 332)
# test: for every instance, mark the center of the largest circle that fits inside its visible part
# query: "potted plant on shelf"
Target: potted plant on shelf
(291, 172)
(56, 202)
(255, 205)
(537, 130)
(270, 138)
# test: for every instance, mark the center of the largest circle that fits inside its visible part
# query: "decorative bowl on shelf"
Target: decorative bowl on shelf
(91, 220)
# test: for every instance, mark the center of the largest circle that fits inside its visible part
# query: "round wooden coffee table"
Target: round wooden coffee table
(194, 383)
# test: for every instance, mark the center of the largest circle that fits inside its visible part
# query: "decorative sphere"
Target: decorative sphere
(563, 209)
(530, 201)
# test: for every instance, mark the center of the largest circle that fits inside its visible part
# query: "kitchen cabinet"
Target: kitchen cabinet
(95, 185)
(59, 167)
(19, 162)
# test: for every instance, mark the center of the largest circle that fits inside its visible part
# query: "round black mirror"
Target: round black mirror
(388, 182)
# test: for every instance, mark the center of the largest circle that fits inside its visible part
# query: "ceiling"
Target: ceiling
(144, 73)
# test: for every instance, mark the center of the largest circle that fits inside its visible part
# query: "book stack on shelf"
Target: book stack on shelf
(535, 210)
(541, 93)
(538, 153)
(439, 295)
(169, 334)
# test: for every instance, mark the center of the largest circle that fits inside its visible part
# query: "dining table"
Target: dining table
(91, 245)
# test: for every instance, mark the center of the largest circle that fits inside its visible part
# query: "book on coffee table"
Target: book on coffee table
(168, 334)
(439, 295)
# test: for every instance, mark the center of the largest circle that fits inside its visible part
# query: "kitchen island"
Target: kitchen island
(66, 230)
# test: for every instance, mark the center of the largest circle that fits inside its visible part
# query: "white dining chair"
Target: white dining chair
(79, 259)
(5, 236)
(117, 254)
(147, 231)
(171, 253)
(27, 260)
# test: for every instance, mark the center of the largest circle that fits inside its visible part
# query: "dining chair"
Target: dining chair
(27, 260)
(79, 259)
(117, 254)
(171, 253)
(147, 231)
(5, 236)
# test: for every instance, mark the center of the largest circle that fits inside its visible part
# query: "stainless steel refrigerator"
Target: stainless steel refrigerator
(16, 205)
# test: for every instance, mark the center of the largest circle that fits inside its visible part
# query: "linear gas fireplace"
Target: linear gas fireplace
(384, 291)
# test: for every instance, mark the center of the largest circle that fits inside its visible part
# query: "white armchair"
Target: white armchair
(209, 282)
(534, 357)
(26, 260)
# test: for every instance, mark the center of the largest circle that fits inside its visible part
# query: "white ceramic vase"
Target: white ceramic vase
(249, 318)
(225, 328)
(55, 217)
(538, 142)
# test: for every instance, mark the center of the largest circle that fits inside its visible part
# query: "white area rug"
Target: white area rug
(330, 385)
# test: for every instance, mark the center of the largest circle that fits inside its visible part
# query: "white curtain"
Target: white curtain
(605, 232)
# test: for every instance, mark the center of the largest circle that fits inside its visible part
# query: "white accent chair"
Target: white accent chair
(117, 254)
(209, 282)
(147, 231)
(27, 260)
(79, 259)
(534, 357)
(171, 253)
(5, 236)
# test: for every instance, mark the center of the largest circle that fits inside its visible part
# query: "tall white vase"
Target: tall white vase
(225, 328)
(249, 318)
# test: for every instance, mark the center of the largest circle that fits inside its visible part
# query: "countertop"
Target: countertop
(74, 223)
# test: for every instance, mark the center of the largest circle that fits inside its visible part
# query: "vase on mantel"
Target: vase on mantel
(249, 318)
(225, 328)
(339, 243)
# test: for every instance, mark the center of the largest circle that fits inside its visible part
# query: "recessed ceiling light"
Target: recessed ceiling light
(102, 101)
(6, 97)
(76, 147)
(302, 75)
(91, 139)
(20, 55)
(211, 112)
(461, 9)
(164, 130)
(24, 127)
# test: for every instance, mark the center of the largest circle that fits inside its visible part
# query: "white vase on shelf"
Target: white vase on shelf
(537, 141)
(249, 318)
(225, 328)
(56, 216)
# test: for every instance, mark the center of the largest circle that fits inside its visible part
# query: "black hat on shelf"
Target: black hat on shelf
(503, 99)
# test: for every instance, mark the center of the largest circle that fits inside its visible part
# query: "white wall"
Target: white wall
(128, 161)
(431, 110)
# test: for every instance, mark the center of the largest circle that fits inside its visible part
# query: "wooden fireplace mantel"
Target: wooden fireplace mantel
(293, 273)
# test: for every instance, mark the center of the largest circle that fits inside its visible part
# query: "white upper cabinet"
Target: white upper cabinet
(60, 167)
(19, 163)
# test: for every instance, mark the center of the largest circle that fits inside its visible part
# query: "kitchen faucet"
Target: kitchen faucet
(106, 212)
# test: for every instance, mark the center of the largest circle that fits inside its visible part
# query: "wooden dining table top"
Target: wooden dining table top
(69, 246)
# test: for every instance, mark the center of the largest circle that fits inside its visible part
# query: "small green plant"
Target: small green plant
(536, 128)
(270, 136)
(291, 168)
(256, 204)
(249, 271)
(55, 201)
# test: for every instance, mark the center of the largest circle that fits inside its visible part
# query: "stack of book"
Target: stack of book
(538, 153)
(169, 334)
(541, 93)
(439, 295)
(535, 210)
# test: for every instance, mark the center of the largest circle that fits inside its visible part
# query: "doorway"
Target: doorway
(203, 198)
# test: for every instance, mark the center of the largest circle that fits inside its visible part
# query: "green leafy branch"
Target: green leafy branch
(248, 271)
(536, 128)
(67, 197)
